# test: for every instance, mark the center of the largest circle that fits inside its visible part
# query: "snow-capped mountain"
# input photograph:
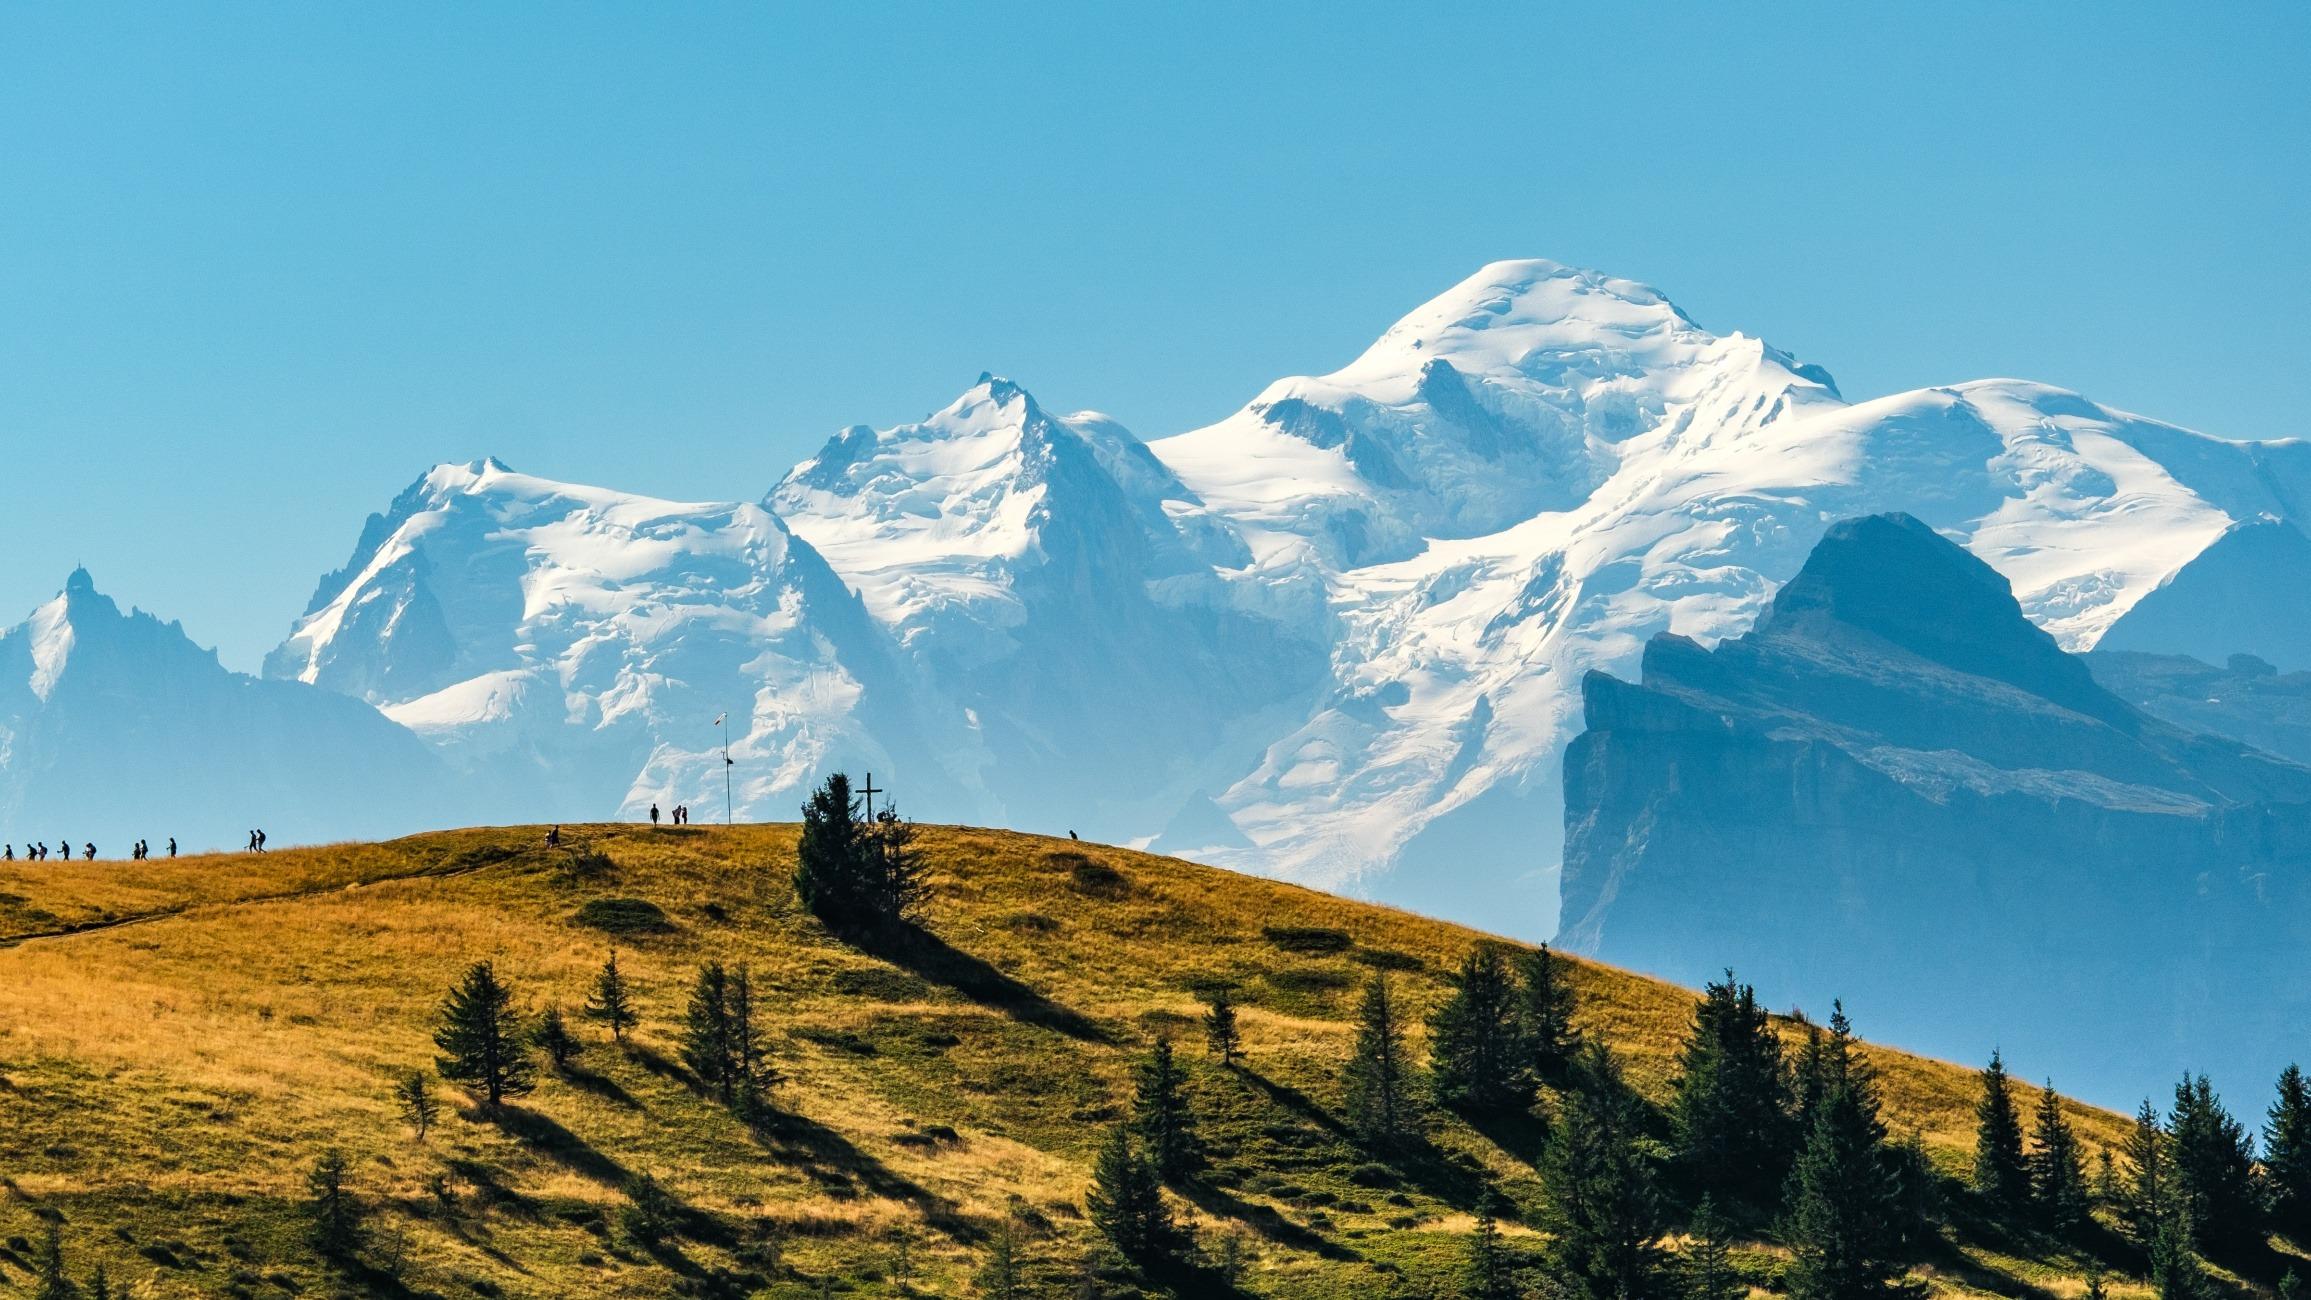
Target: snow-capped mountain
(1337, 636)
(116, 727)
(570, 647)
(1052, 578)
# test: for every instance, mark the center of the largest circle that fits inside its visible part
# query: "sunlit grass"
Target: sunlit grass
(170, 1078)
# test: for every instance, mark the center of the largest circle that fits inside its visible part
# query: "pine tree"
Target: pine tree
(1808, 1077)
(750, 1070)
(901, 884)
(612, 1002)
(830, 866)
(2214, 1173)
(552, 1036)
(2150, 1181)
(1127, 1203)
(50, 1281)
(1545, 1015)
(1708, 1270)
(1486, 1274)
(1161, 1117)
(1842, 1210)
(2287, 1157)
(2174, 1266)
(706, 1038)
(2290, 1286)
(1731, 1100)
(2057, 1178)
(1602, 1212)
(100, 1284)
(2000, 1172)
(418, 1107)
(1220, 1028)
(1477, 1058)
(2095, 1288)
(1377, 1081)
(336, 1216)
(481, 1037)
(1001, 1277)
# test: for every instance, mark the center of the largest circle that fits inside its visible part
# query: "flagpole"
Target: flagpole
(727, 764)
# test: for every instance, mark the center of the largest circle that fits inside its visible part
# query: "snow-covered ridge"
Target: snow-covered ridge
(1337, 635)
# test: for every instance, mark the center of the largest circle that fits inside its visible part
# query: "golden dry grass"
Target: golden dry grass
(170, 1076)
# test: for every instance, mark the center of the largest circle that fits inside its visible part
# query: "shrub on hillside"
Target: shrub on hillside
(625, 916)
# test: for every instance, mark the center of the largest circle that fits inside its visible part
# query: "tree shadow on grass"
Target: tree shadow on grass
(600, 1085)
(1266, 1220)
(548, 1137)
(930, 957)
(1300, 1104)
(836, 1164)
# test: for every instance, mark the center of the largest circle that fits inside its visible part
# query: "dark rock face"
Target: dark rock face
(1898, 791)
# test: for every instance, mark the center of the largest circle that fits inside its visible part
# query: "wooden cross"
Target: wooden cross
(870, 792)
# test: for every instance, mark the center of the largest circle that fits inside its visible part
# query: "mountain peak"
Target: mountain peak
(80, 582)
(1892, 576)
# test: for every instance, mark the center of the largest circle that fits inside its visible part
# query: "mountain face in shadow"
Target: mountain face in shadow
(1897, 790)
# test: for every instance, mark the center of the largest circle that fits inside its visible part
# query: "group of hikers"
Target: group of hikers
(141, 851)
(681, 814)
(39, 852)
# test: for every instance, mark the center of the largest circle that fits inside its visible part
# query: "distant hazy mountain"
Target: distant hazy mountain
(1898, 790)
(116, 727)
(1336, 636)
(2246, 698)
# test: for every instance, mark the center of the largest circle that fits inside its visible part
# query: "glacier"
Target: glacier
(1337, 636)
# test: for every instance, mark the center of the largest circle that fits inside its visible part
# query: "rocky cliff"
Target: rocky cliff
(1898, 790)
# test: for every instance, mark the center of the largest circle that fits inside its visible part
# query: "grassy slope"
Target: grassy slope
(167, 1080)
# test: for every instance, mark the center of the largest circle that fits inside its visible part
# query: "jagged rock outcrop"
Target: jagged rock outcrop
(1898, 790)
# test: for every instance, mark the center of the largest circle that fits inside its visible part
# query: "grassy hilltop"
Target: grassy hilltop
(180, 1040)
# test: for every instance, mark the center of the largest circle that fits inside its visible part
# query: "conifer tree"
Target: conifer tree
(1162, 1118)
(1377, 1082)
(1486, 1275)
(49, 1279)
(1731, 1101)
(2290, 1286)
(2287, 1157)
(100, 1284)
(1127, 1204)
(1842, 1211)
(336, 1216)
(2057, 1177)
(1477, 1058)
(612, 1002)
(1602, 1213)
(553, 1037)
(1545, 1015)
(2095, 1288)
(2214, 1172)
(2149, 1196)
(2000, 1172)
(481, 1037)
(1806, 1078)
(707, 1046)
(2174, 1266)
(750, 1072)
(830, 859)
(901, 884)
(1708, 1267)
(418, 1107)
(1220, 1034)
(1001, 1277)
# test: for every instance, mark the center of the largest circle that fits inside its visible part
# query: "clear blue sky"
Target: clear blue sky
(260, 266)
